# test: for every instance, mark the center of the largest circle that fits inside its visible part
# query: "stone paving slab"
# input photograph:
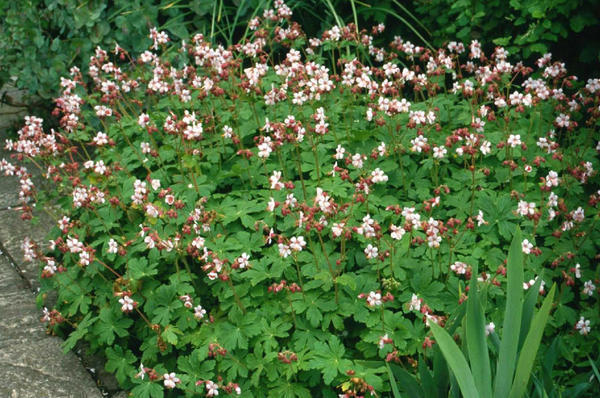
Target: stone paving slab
(32, 364)
(9, 186)
(12, 232)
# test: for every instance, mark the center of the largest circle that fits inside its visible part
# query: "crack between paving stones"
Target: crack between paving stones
(13, 263)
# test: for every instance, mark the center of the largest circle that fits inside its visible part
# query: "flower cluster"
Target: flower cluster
(226, 210)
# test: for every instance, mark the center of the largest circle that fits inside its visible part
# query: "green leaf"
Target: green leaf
(530, 347)
(139, 268)
(314, 316)
(110, 325)
(347, 279)
(456, 361)
(170, 334)
(512, 319)
(328, 358)
(119, 362)
(476, 342)
(79, 333)
(148, 390)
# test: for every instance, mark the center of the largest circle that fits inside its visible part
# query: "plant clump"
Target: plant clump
(284, 216)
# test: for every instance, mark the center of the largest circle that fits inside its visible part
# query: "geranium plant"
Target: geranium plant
(283, 216)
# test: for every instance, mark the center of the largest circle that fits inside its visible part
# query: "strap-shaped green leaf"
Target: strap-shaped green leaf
(530, 347)
(407, 381)
(512, 319)
(476, 343)
(528, 309)
(456, 361)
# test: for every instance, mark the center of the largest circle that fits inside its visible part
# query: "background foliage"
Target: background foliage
(569, 29)
(41, 39)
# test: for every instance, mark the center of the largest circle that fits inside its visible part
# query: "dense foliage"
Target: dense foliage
(569, 28)
(285, 216)
(41, 39)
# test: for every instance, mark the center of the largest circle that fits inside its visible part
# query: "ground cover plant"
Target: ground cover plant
(290, 215)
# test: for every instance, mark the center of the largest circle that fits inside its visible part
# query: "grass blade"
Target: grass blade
(477, 349)
(405, 10)
(530, 347)
(512, 319)
(456, 361)
(404, 21)
(355, 17)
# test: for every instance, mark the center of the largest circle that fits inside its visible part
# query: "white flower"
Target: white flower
(526, 246)
(490, 328)
(212, 389)
(514, 140)
(271, 205)
(480, 220)
(415, 303)
(84, 258)
(374, 299)
(524, 208)
(199, 312)
(113, 247)
(170, 380)
(589, 288)
(357, 160)
(243, 260)
(297, 243)
(578, 215)
(150, 244)
(485, 148)
(378, 176)
(142, 372)
(459, 267)
(146, 148)
(552, 179)
(337, 229)
(577, 271)
(143, 120)
(583, 325)
(397, 232)
(227, 132)
(339, 152)
(274, 180)
(127, 303)
(439, 152)
(371, 251)
(383, 339)
(284, 250)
